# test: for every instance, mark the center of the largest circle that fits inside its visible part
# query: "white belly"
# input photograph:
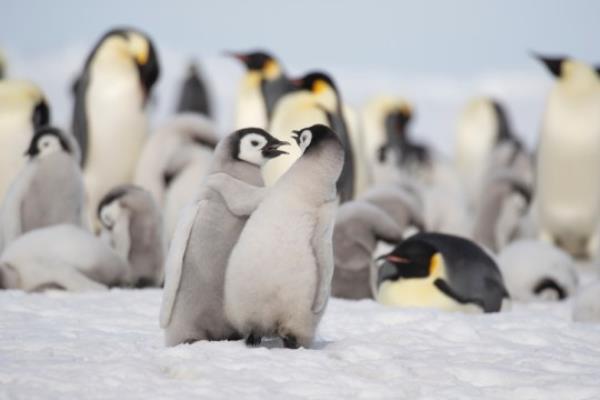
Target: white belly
(250, 110)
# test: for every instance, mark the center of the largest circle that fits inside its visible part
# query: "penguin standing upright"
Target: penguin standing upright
(568, 158)
(23, 110)
(109, 120)
(2, 65)
(279, 273)
(194, 95)
(48, 190)
(192, 307)
(316, 100)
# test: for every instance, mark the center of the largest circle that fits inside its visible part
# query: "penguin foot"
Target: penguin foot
(290, 342)
(252, 340)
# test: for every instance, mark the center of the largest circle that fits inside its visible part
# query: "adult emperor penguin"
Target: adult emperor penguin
(2, 65)
(440, 271)
(23, 109)
(262, 86)
(131, 224)
(279, 274)
(317, 100)
(568, 158)
(109, 120)
(194, 96)
(48, 190)
(61, 257)
(192, 307)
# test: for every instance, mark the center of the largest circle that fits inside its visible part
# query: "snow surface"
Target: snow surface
(108, 345)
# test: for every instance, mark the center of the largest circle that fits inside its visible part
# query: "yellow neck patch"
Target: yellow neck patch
(271, 70)
(319, 86)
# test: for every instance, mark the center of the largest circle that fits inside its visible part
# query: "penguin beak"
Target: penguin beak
(271, 149)
(554, 65)
(238, 56)
(297, 82)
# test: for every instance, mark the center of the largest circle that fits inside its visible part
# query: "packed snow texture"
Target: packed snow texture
(62, 345)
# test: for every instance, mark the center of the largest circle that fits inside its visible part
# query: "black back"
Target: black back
(194, 94)
(274, 90)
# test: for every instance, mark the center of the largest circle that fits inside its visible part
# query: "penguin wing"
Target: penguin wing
(323, 251)
(240, 197)
(174, 262)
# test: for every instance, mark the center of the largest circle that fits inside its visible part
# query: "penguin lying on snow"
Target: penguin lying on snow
(440, 271)
(536, 270)
(279, 274)
(192, 306)
(359, 225)
(194, 97)
(131, 224)
(48, 190)
(61, 257)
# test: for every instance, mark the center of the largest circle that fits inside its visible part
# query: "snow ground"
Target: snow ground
(108, 345)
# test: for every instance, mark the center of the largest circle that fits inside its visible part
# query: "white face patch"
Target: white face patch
(305, 139)
(251, 146)
(110, 213)
(47, 145)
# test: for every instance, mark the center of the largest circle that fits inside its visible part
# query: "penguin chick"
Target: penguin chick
(440, 271)
(279, 274)
(170, 148)
(401, 202)
(504, 203)
(131, 224)
(192, 306)
(568, 158)
(535, 270)
(358, 227)
(23, 110)
(586, 307)
(48, 190)
(194, 96)
(109, 119)
(60, 257)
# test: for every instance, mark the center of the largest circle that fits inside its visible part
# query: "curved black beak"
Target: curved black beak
(238, 56)
(553, 64)
(271, 149)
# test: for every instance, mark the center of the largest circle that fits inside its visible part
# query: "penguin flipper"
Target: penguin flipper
(240, 197)
(174, 262)
(323, 252)
(443, 286)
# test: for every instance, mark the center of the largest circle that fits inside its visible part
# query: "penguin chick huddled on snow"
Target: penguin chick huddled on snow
(109, 118)
(440, 271)
(192, 306)
(568, 159)
(535, 270)
(48, 190)
(194, 96)
(132, 226)
(359, 226)
(62, 257)
(279, 274)
(23, 110)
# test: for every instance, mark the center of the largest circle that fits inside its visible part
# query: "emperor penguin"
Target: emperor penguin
(482, 125)
(359, 226)
(23, 110)
(262, 86)
(317, 100)
(2, 65)
(279, 274)
(132, 225)
(534, 270)
(440, 271)
(192, 306)
(61, 257)
(194, 96)
(568, 158)
(49, 188)
(170, 148)
(109, 120)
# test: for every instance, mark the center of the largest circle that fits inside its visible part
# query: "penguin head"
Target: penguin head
(256, 146)
(313, 137)
(566, 69)
(397, 120)
(411, 259)
(133, 45)
(322, 87)
(110, 209)
(24, 97)
(46, 141)
(261, 63)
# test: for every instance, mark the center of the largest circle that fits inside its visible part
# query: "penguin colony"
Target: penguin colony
(251, 231)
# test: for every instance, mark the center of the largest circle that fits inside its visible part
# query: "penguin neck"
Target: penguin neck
(224, 162)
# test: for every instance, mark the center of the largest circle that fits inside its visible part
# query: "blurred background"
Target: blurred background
(437, 54)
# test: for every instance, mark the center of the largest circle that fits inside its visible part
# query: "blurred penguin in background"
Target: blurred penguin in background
(2, 65)
(194, 96)
(109, 119)
(568, 158)
(23, 110)
(48, 190)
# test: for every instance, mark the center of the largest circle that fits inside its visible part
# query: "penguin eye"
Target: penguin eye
(254, 143)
